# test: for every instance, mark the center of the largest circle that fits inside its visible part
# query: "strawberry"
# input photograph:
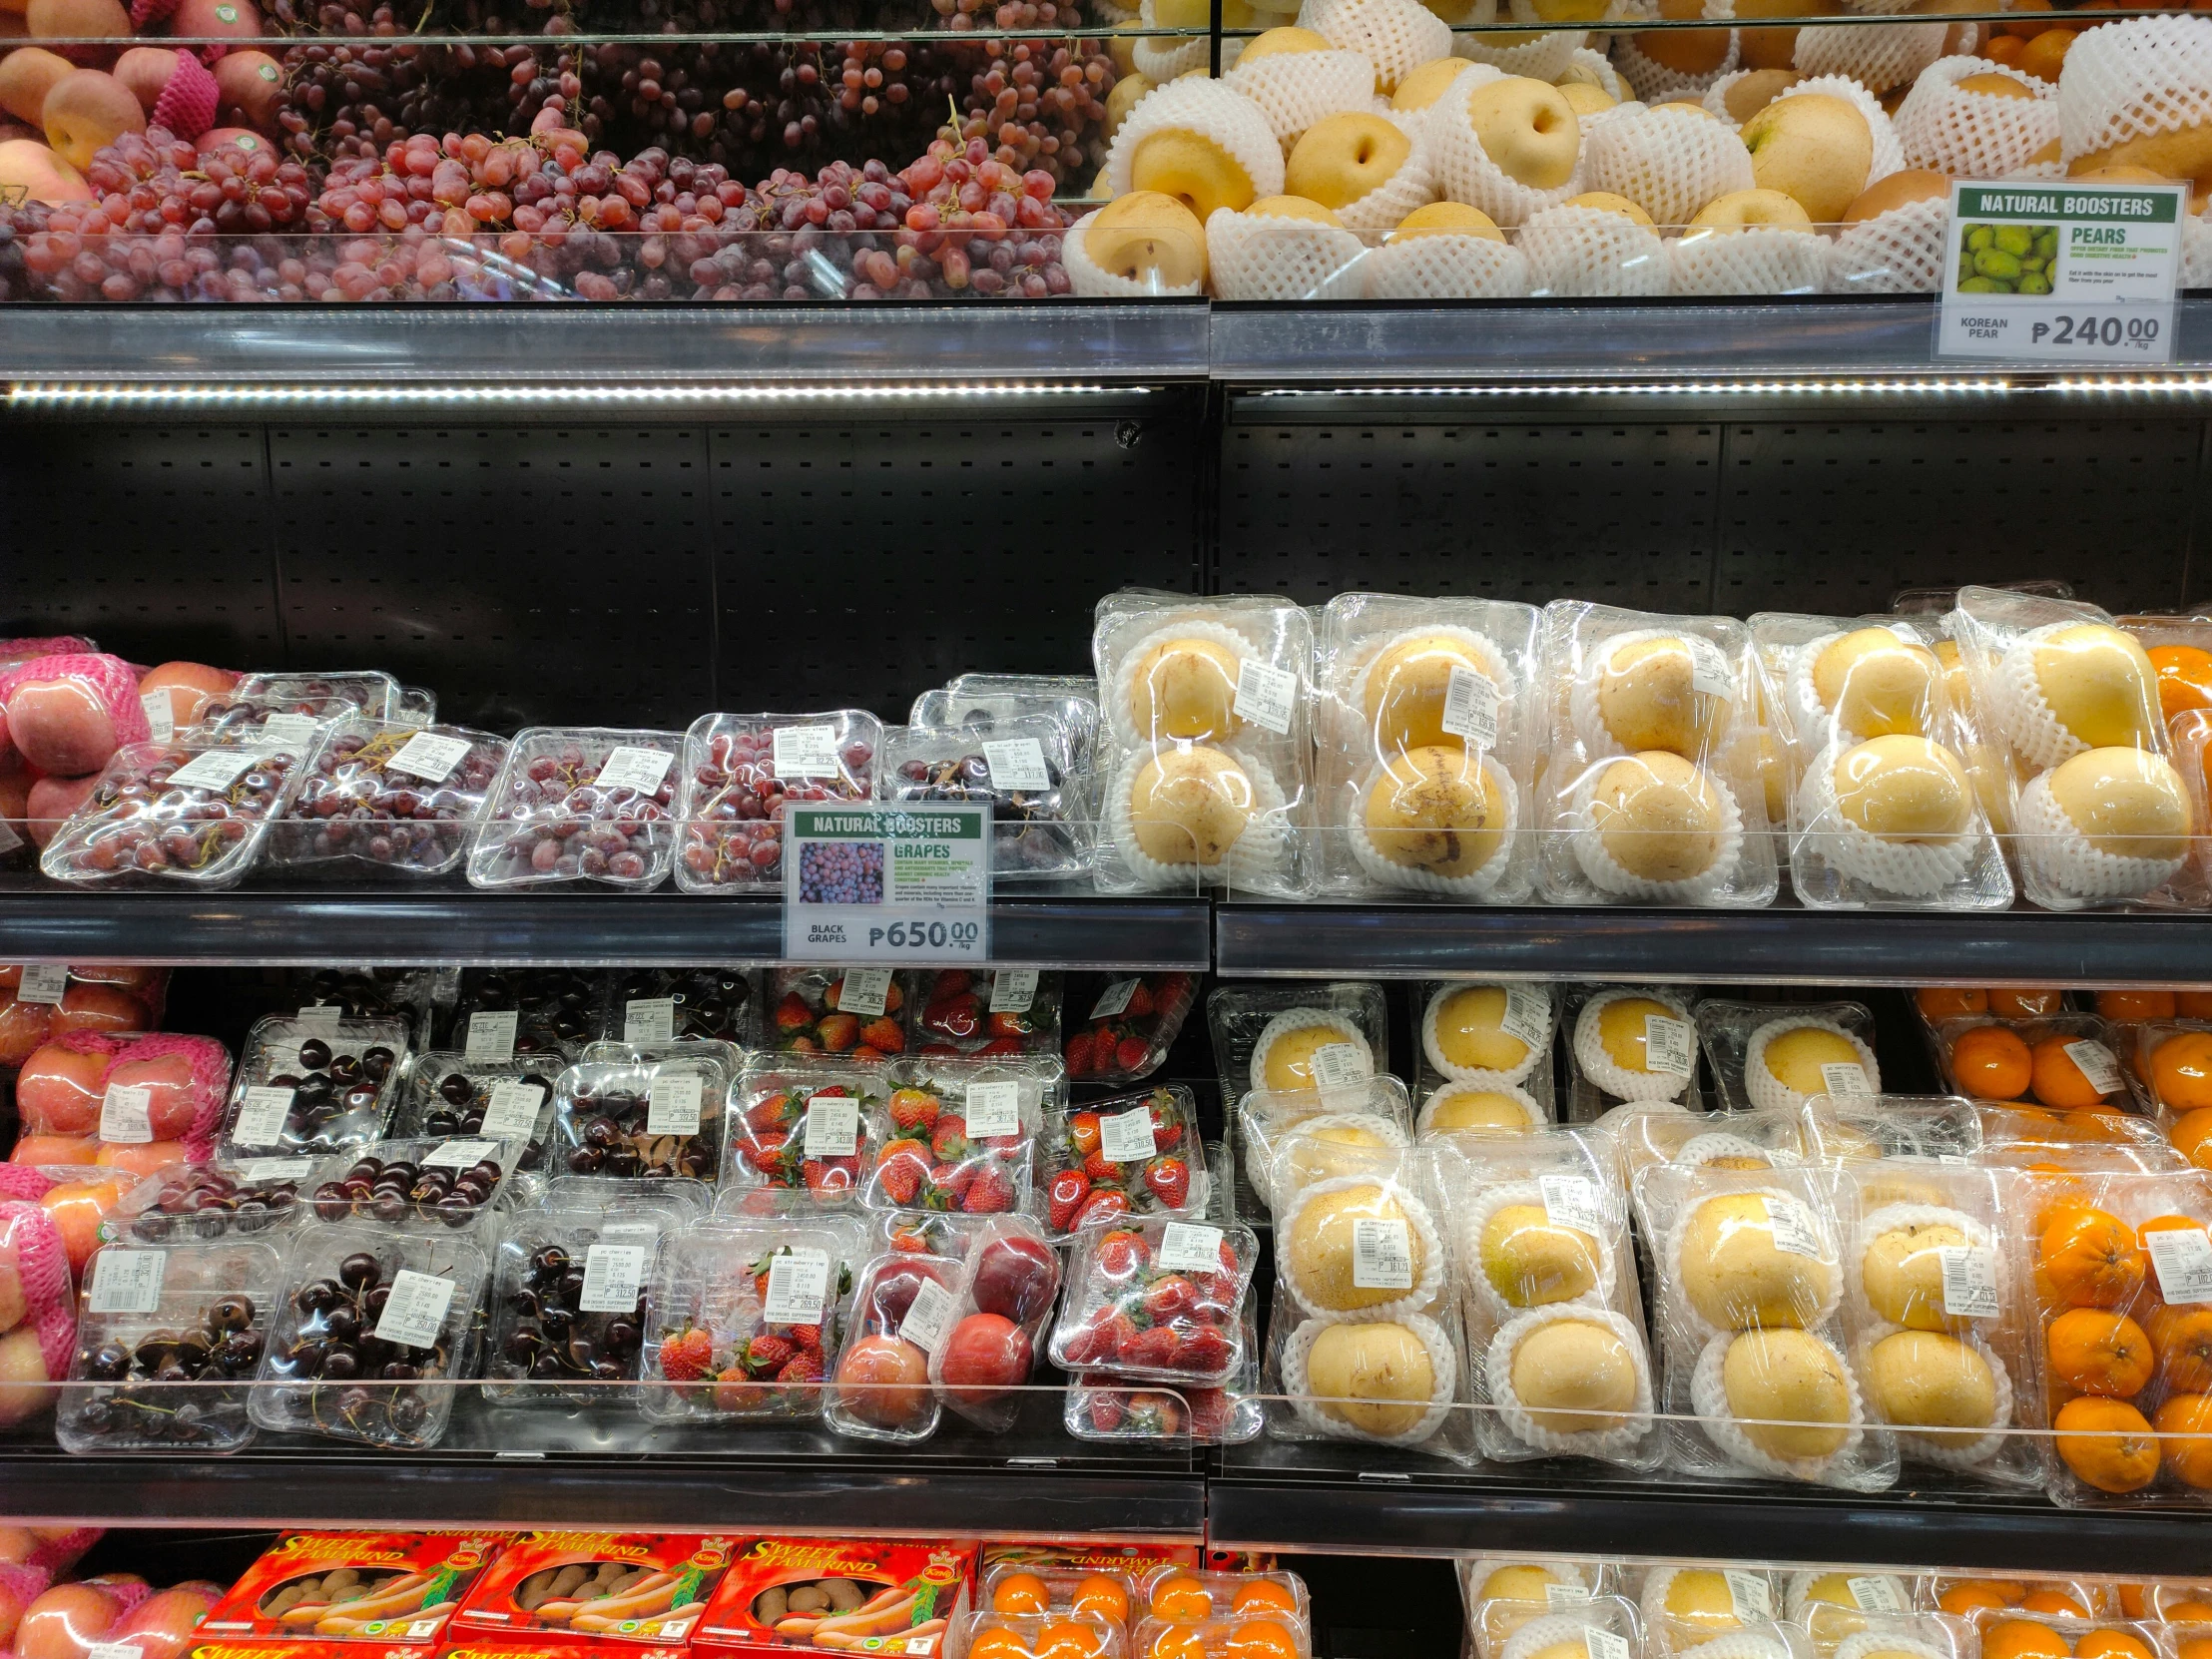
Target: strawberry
(1156, 1348)
(1209, 1409)
(1140, 1002)
(957, 1016)
(1169, 1181)
(1100, 1337)
(1172, 990)
(1102, 1205)
(895, 999)
(1168, 1298)
(949, 1141)
(1133, 1056)
(883, 1035)
(827, 1175)
(793, 1015)
(865, 1055)
(838, 1033)
(915, 1108)
(990, 1194)
(937, 1051)
(687, 1356)
(1107, 1407)
(1013, 1025)
(1101, 1168)
(950, 983)
(1077, 1056)
(802, 1045)
(736, 1392)
(900, 1169)
(1166, 1123)
(805, 1369)
(949, 1184)
(1207, 1352)
(767, 1153)
(1001, 1046)
(1064, 1196)
(1083, 1131)
(806, 1338)
(1154, 1414)
(766, 1354)
(1121, 1254)
(771, 1111)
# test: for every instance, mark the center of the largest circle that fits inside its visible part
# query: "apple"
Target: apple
(145, 70)
(77, 1207)
(59, 1090)
(162, 1626)
(1192, 167)
(893, 1291)
(17, 1546)
(983, 1357)
(171, 1100)
(19, 1587)
(1016, 1278)
(1342, 157)
(1527, 128)
(1448, 218)
(1741, 207)
(237, 138)
(884, 1382)
(1814, 147)
(24, 1027)
(249, 87)
(59, 722)
(30, 165)
(55, 1150)
(1753, 90)
(24, 1394)
(216, 20)
(1899, 189)
(1148, 237)
(27, 75)
(95, 1006)
(1685, 51)
(52, 800)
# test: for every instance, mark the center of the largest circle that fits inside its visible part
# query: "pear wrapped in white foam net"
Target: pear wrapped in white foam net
(2138, 79)
(1164, 58)
(1465, 172)
(2196, 251)
(1396, 36)
(1589, 64)
(1715, 98)
(1979, 135)
(1670, 163)
(1899, 251)
(1543, 57)
(1295, 90)
(1230, 118)
(1877, 59)
(1655, 83)
(1889, 154)
(1592, 253)
(1259, 257)
(1090, 281)
(1445, 266)
(1411, 186)
(1758, 259)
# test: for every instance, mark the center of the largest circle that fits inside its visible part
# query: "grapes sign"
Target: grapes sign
(905, 883)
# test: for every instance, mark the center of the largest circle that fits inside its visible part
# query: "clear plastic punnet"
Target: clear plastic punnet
(556, 1012)
(1505, 1592)
(1207, 775)
(1088, 1635)
(1035, 1588)
(2171, 1060)
(2102, 816)
(976, 703)
(1551, 1298)
(1772, 1057)
(1489, 1035)
(1758, 1370)
(960, 1135)
(1365, 1244)
(1631, 1043)
(1333, 1137)
(139, 1103)
(1175, 1594)
(196, 1202)
(1877, 1610)
(2066, 1064)
(366, 1315)
(987, 1012)
(1326, 1040)
(1850, 1129)
(1580, 1628)
(1429, 723)
(330, 695)
(996, 1328)
(1653, 777)
(637, 1113)
(1133, 1021)
(879, 1386)
(1384, 1379)
(1649, 1133)
(803, 1124)
(585, 804)
(1100, 1407)
(394, 795)
(448, 1095)
(1158, 1301)
(1024, 771)
(311, 1085)
(425, 1184)
(181, 810)
(860, 1014)
(1131, 1156)
(1689, 1604)
(1937, 1312)
(567, 1317)
(740, 1317)
(740, 769)
(155, 1325)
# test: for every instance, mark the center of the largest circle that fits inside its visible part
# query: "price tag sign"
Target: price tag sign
(613, 1274)
(1341, 1072)
(126, 1281)
(1561, 1598)
(1527, 1016)
(126, 1114)
(1013, 990)
(319, 1019)
(459, 1154)
(1126, 1137)
(2097, 1064)
(671, 1104)
(833, 1126)
(213, 769)
(2183, 1261)
(46, 982)
(1471, 707)
(993, 1109)
(1187, 1247)
(648, 1019)
(288, 732)
(261, 1115)
(277, 1169)
(930, 1316)
(1709, 671)
(2061, 270)
(511, 1114)
(1017, 764)
(888, 883)
(429, 757)
(1969, 1292)
(1750, 1595)
(1381, 1255)
(415, 1313)
(865, 991)
(1844, 1077)
(805, 751)
(1114, 1000)
(1876, 1595)
(1572, 1201)
(1266, 696)
(1668, 1045)
(798, 1283)
(626, 767)
(1793, 1227)
(491, 1037)
(1597, 1643)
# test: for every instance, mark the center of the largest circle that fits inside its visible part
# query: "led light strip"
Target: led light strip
(61, 393)
(2112, 386)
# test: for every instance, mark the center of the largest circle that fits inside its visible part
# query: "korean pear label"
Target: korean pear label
(1471, 707)
(1668, 1046)
(1266, 696)
(1844, 1077)
(1792, 1225)
(1969, 1290)
(1561, 1598)
(2062, 270)
(1527, 1016)
(1381, 1255)
(1750, 1595)
(1709, 672)
(1339, 1070)
(1571, 1201)
(1600, 1643)
(1876, 1595)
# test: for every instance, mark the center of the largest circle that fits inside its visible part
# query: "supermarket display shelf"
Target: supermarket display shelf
(1781, 945)
(466, 927)
(1340, 1499)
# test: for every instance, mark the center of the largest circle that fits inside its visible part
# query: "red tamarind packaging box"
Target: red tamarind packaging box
(839, 1595)
(575, 1586)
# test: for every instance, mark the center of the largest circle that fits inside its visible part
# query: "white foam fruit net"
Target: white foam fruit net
(1889, 154)
(1163, 59)
(1973, 134)
(1396, 36)
(1295, 90)
(1255, 257)
(1670, 163)
(1590, 253)
(1878, 59)
(2196, 251)
(1463, 172)
(1655, 83)
(1900, 252)
(2134, 80)
(1448, 267)
(1230, 118)
(1587, 64)
(1759, 258)
(1090, 281)
(1411, 186)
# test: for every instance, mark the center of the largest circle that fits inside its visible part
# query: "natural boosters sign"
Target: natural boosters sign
(2078, 273)
(866, 883)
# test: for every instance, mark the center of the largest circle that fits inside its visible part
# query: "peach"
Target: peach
(60, 723)
(161, 1626)
(26, 77)
(55, 1149)
(99, 1007)
(23, 1395)
(193, 686)
(77, 1207)
(28, 165)
(145, 70)
(216, 20)
(52, 800)
(250, 86)
(77, 20)
(59, 1090)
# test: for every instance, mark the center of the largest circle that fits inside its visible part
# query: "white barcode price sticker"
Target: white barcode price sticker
(213, 769)
(429, 757)
(805, 751)
(319, 1019)
(1709, 671)
(491, 1037)
(459, 1154)
(1471, 707)
(1527, 1016)
(1572, 1201)
(833, 1126)
(415, 1312)
(642, 770)
(2097, 1064)
(648, 1019)
(1381, 1255)
(115, 1650)
(865, 991)
(1669, 1045)
(1188, 1247)
(671, 1104)
(126, 1114)
(1561, 1597)
(276, 1169)
(160, 714)
(1750, 1595)
(1013, 990)
(1266, 696)
(292, 732)
(2183, 1261)
(46, 982)
(126, 1281)
(798, 1285)
(1876, 1595)
(1601, 1644)
(993, 1109)
(1114, 1000)
(1340, 1071)
(1017, 764)
(1844, 1077)
(262, 1113)
(1793, 1226)
(1126, 1137)
(1970, 1288)
(647, 1233)
(613, 1274)
(511, 1114)
(930, 1316)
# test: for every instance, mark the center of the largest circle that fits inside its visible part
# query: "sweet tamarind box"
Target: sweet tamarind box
(839, 1595)
(579, 1586)
(1091, 1555)
(398, 1588)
